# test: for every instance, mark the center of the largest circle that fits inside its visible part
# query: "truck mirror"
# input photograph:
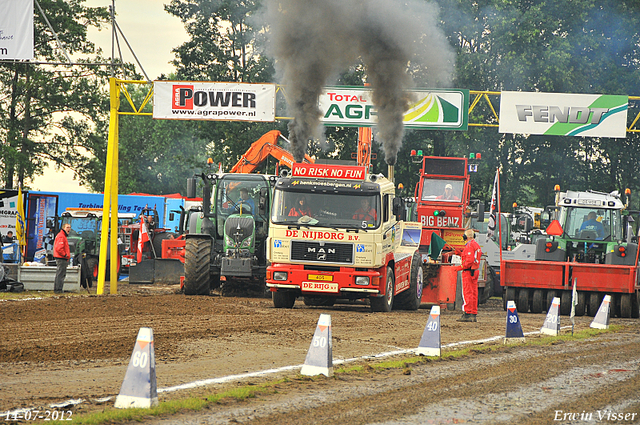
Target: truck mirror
(480, 212)
(398, 208)
(191, 187)
(262, 202)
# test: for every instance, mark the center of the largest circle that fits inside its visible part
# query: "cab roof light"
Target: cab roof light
(556, 188)
(478, 156)
(627, 191)
(413, 152)
(209, 161)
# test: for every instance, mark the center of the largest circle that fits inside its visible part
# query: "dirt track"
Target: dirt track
(78, 347)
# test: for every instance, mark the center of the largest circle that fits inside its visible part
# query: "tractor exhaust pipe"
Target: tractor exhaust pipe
(391, 177)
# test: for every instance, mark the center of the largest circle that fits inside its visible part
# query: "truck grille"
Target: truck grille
(322, 253)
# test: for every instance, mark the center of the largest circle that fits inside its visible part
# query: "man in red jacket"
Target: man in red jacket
(62, 255)
(470, 265)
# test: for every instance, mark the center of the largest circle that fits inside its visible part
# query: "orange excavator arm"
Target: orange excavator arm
(260, 150)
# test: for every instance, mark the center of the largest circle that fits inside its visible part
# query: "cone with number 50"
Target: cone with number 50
(139, 388)
(319, 359)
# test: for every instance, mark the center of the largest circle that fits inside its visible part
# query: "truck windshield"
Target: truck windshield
(590, 223)
(339, 210)
(441, 190)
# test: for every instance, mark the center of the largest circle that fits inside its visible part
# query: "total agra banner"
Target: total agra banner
(428, 109)
(186, 100)
(16, 29)
(561, 114)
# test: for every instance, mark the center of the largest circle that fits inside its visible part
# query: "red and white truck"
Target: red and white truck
(350, 242)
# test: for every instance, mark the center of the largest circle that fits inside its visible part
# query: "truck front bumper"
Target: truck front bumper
(321, 282)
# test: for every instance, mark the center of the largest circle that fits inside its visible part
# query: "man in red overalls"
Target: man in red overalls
(470, 264)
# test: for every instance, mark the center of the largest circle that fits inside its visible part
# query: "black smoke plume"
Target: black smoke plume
(313, 40)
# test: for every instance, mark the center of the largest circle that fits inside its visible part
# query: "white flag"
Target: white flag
(493, 208)
(574, 301)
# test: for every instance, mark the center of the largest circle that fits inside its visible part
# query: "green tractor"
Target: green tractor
(228, 237)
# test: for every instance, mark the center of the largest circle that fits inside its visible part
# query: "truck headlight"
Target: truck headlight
(362, 280)
(279, 275)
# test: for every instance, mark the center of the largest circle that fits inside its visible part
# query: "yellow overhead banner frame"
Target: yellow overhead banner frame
(110, 204)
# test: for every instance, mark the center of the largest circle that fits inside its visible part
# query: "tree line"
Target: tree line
(60, 114)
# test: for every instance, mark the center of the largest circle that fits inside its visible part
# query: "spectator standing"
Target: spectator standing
(62, 254)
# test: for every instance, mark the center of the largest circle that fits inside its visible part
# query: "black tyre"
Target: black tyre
(537, 301)
(509, 295)
(487, 291)
(283, 299)
(565, 303)
(92, 269)
(385, 304)
(635, 308)
(594, 303)
(581, 306)
(319, 301)
(522, 303)
(550, 296)
(157, 242)
(410, 299)
(197, 259)
(625, 305)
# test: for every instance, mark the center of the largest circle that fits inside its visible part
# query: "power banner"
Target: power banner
(184, 100)
(429, 109)
(16, 29)
(588, 115)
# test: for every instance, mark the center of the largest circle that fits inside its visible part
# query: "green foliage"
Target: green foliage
(53, 114)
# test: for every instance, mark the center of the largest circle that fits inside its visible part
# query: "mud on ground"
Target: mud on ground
(59, 348)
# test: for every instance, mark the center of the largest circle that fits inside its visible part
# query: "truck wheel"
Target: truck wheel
(510, 295)
(625, 306)
(487, 291)
(92, 269)
(385, 304)
(550, 296)
(594, 303)
(283, 299)
(410, 299)
(197, 257)
(565, 303)
(537, 301)
(635, 308)
(581, 306)
(522, 303)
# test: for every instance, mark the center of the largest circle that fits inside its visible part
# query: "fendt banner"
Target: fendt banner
(184, 100)
(429, 109)
(16, 29)
(559, 114)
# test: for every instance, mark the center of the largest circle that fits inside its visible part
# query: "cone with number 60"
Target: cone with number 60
(139, 388)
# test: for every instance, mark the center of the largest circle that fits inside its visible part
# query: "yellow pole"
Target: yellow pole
(114, 90)
(114, 216)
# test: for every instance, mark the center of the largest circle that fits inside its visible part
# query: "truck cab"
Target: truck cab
(335, 233)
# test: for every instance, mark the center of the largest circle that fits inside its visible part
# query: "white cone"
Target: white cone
(139, 388)
(430, 341)
(319, 359)
(551, 325)
(514, 327)
(601, 320)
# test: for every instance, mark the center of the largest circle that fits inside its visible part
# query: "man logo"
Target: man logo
(322, 257)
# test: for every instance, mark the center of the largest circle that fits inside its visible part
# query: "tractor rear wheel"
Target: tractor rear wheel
(537, 302)
(197, 259)
(385, 304)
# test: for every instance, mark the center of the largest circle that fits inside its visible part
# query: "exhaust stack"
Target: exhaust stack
(391, 177)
